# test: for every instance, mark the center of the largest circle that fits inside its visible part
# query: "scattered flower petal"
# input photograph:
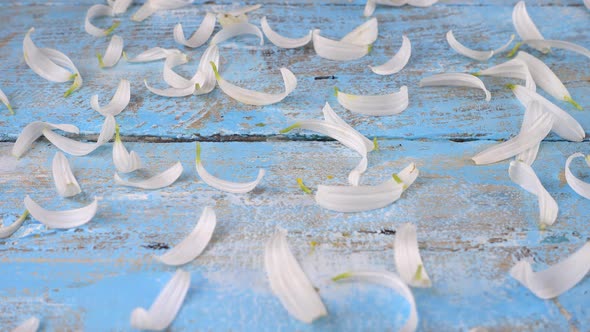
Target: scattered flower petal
(364, 34)
(30, 325)
(117, 104)
(5, 101)
(389, 104)
(235, 30)
(200, 36)
(398, 62)
(62, 219)
(371, 4)
(533, 111)
(236, 16)
(158, 181)
(152, 6)
(33, 131)
(407, 257)
(154, 54)
(65, 181)
(456, 79)
(76, 148)
(95, 12)
(473, 54)
(524, 25)
(337, 50)
(580, 187)
(282, 41)
(332, 117)
(7, 231)
(172, 92)
(562, 44)
(124, 161)
(113, 53)
(514, 68)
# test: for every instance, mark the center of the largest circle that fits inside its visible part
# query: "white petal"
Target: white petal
(564, 124)
(332, 117)
(532, 113)
(124, 161)
(235, 30)
(95, 12)
(223, 185)
(369, 8)
(65, 181)
(473, 54)
(364, 34)
(194, 244)
(77, 148)
(33, 131)
(289, 282)
(5, 101)
(389, 104)
(62, 60)
(282, 41)
(337, 50)
(200, 36)
(456, 79)
(546, 44)
(117, 104)
(580, 187)
(391, 280)
(545, 77)
(171, 92)
(153, 54)
(166, 306)
(170, 76)
(152, 6)
(251, 97)
(422, 3)
(62, 219)
(407, 257)
(112, 54)
(119, 6)
(526, 139)
(40, 62)
(365, 198)
(397, 62)
(524, 25)
(158, 181)
(558, 278)
(7, 231)
(30, 325)
(523, 175)
(514, 68)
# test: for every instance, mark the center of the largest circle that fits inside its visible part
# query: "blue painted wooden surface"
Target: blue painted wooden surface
(91, 278)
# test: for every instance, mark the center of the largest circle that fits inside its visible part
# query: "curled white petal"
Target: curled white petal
(289, 282)
(580, 187)
(408, 262)
(152, 6)
(282, 41)
(456, 79)
(398, 61)
(112, 54)
(558, 278)
(94, 12)
(30, 325)
(244, 10)
(421, 3)
(77, 148)
(251, 97)
(337, 50)
(546, 44)
(473, 54)
(203, 81)
(170, 76)
(124, 161)
(117, 104)
(533, 111)
(5, 101)
(332, 117)
(365, 198)
(194, 244)
(43, 61)
(62, 60)
(65, 181)
(523, 175)
(526, 139)
(223, 185)
(165, 307)
(391, 280)
(62, 219)
(153, 54)
(364, 34)
(171, 92)
(564, 124)
(524, 25)
(119, 6)
(514, 68)
(389, 104)
(158, 181)
(33, 131)
(235, 30)
(200, 36)
(369, 8)
(7, 231)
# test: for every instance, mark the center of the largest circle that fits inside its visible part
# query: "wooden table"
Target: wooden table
(473, 222)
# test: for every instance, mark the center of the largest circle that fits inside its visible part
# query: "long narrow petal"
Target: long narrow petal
(533, 111)
(337, 50)
(364, 34)
(61, 59)
(117, 104)
(421, 3)
(161, 180)
(514, 68)
(205, 77)
(223, 185)
(473, 54)
(6, 102)
(41, 64)
(564, 124)
(397, 62)
(119, 6)
(62, 219)
(235, 30)
(526, 139)
(171, 92)
(95, 12)
(113, 53)
(389, 104)
(152, 6)
(30, 325)
(456, 79)
(251, 97)
(390, 280)
(165, 307)
(236, 16)
(524, 25)
(154, 54)
(408, 262)
(365, 198)
(7, 231)
(546, 44)
(173, 78)
(65, 181)
(77, 148)
(200, 36)
(194, 244)
(369, 8)
(282, 41)
(289, 282)
(558, 278)
(332, 117)
(580, 187)
(124, 161)
(33, 131)
(523, 175)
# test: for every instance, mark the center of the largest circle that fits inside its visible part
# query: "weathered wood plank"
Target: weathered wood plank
(473, 224)
(438, 113)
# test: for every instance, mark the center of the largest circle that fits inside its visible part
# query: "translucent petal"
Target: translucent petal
(282, 41)
(62, 219)
(408, 262)
(77, 148)
(117, 104)
(398, 61)
(65, 181)
(473, 54)
(158, 181)
(337, 50)
(7, 231)
(33, 131)
(456, 79)
(524, 25)
(235, 30)
(113, 53)
(381, 105)
(364, 34)
(580, 187)
(200, 36)
(95, 12)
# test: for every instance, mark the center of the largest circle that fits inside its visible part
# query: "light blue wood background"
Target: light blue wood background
(473, 222)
